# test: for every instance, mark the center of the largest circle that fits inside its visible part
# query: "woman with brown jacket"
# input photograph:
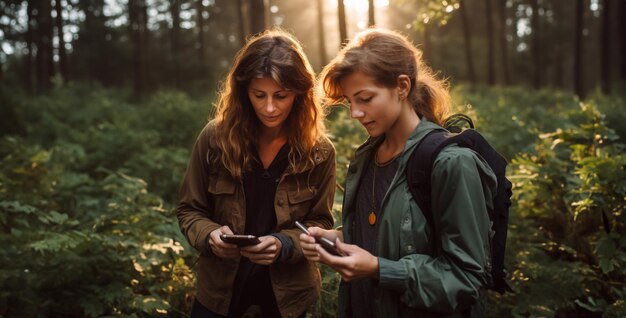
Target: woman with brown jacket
(261, 164)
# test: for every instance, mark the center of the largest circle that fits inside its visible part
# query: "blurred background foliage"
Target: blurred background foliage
(101, 102)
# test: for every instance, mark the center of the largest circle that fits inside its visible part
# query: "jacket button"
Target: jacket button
(281, 202)
(317, 158)
(409, 248)
(407, 220)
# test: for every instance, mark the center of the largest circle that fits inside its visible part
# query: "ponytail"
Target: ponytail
(385, 55)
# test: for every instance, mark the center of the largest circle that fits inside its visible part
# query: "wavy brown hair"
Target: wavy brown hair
(385, 55)
(278, 55)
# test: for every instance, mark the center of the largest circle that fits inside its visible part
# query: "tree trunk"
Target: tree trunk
(559, 77)
(45, 59)
(241, 22)
(622, 19)
(504, 50)
(258, 16)
(468, 42)
(371, 21)
(537, 67)
(175, 34)
(490, 45)
(427, 51)
(62, 53)
(343, 31)
(138, 29)
(200, 8)
(29, 48)
(321, 36)
(579, 88)
(606, 47)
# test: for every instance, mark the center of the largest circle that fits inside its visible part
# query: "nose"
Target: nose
(355, 112)
(270, 107)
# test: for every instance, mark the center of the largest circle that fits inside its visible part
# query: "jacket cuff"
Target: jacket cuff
(392, 274)
(205, 249)
(287, 250)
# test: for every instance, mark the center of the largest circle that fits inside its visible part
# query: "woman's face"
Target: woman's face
(376, 107)
(271, 102)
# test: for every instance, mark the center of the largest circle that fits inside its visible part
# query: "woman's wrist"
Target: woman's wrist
(374, 267)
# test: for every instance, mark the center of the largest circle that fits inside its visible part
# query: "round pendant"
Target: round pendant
(372, 218)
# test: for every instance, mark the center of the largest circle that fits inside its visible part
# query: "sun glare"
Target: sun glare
(362, 5)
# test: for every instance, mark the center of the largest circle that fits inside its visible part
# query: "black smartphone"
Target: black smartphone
(240, 240)
(327, 244)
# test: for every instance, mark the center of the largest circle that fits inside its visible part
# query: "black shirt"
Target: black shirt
(369, 198)
(259, 186)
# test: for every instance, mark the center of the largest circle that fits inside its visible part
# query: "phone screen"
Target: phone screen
(240, 240)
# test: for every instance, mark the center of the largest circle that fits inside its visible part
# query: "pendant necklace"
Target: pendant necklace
(371, 218)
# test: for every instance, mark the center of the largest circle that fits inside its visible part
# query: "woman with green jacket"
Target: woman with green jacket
(393, 266)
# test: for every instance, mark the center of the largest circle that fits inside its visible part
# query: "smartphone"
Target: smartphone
(240, 240)
(327, 244)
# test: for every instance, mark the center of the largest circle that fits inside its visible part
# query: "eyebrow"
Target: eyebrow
(357, 93)
(278, 91)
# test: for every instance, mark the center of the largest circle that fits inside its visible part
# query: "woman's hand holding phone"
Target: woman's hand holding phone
(220, 248)
(264, 253)
(354, 262)
(310, 239)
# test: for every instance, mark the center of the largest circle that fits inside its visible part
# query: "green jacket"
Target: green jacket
(412, 282)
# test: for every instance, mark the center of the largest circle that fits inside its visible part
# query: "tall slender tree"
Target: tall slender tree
(622, 19)
(258, 16)
(504, 50)
(200, 26)
(605, 68)
(61, 49)
(490, 44)
(579, 87)
(138, 23)
(45, 57)
(371, 13)
(241, 22)
(175, 45)
(29, 48)
(536, 52)
(321, 36)
(427, 44)
(559, 47)
(467, 37)
(343, 31)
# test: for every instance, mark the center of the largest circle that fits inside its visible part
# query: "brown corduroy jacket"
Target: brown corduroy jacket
(210, 198)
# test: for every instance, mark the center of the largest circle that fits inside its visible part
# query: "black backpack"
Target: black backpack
(419, 169)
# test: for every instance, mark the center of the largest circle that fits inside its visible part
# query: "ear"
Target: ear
(403, 84)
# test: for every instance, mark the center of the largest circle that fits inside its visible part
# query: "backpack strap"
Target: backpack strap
(418, 170)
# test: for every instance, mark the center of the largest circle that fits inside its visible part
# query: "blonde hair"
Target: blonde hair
(278, 55)
(385, 55)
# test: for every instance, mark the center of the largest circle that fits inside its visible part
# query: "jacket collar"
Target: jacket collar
(362, 156)
(420, 131)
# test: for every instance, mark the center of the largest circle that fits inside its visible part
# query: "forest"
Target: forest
(101, 102)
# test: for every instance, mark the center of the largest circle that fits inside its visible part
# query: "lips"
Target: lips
(368, 124)
(272, 118)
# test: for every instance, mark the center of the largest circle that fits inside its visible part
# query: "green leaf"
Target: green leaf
(606, 265)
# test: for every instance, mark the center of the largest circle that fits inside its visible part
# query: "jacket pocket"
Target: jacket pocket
(300, 202)
(297, 197)
(219, 184)
(224, 201)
